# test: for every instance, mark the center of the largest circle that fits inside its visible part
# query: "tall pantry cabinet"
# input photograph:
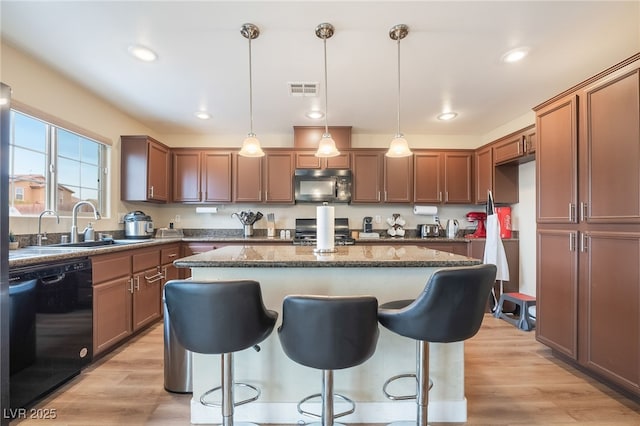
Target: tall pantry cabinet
(588, 215)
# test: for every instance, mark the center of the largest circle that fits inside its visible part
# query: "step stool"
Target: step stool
(524, 302)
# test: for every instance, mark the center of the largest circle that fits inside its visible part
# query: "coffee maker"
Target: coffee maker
(480, 218)
(367, 224)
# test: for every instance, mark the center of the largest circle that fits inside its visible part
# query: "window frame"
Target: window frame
(53, 124)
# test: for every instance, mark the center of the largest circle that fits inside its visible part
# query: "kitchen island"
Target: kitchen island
(388, 272)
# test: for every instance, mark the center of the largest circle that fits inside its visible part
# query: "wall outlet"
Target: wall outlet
(177, 219)
(121, 217)
(378, 219)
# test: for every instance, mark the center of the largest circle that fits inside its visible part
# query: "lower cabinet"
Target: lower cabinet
(126, 295)
(588, 307)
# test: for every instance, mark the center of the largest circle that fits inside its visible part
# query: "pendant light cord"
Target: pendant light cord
(326, 97)
(398, 133)
(250, 91)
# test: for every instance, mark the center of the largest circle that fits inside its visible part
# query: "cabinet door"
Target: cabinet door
(427, 180)
(279, 177)
(111, 312)
(557, 162)
(531, 142)
(484, 173)
(342, 161)
(398, 179)
(509, 149)
(610, 306)
(612, 135)
(307, 137)
(557, 291)
(458, 177)
(367, 176)
(247, 178)
(216, 176)
(187, 169)
(158, 172)
(147, 291)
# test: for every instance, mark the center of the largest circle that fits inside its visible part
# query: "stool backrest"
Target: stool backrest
(329, 332)
(218, 317)
(449, 309)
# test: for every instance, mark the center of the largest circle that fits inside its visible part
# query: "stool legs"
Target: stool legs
(327, 398)
(226, 368)
(422, 375)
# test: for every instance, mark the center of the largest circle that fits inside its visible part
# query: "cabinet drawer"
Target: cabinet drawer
(110, 266)
(169, 254)
(145, 259)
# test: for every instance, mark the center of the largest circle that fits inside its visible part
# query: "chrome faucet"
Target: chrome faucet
(43, 236)
(74, 218)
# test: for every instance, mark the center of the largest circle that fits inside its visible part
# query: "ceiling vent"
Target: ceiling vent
(303, 89)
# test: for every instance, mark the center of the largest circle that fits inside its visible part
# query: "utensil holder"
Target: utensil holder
(248, 230)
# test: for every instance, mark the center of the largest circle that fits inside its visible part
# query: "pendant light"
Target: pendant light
(398, 146)
(327, 146)
(251, 145)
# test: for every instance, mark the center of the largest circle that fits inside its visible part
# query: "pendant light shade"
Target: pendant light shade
(327, 146)
(399, 146)
(251, 145)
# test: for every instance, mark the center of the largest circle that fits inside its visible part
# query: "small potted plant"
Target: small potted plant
(13, 243)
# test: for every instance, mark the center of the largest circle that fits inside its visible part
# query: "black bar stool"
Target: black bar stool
(220, 317)
(329, 333)
(449, 309)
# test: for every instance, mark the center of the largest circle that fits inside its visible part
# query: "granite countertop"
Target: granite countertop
(290, 256)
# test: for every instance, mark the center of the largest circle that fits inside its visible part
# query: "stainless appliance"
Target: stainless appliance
(427, 230)
(138, 225)
(325, 185)
(367, 224)
(50, 327)
(306, 232)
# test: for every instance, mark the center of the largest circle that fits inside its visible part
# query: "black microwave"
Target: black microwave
(322, 185)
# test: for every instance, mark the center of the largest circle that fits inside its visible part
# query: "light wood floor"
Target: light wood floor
(510, 379)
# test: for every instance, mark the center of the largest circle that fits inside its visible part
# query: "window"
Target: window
(54, 168)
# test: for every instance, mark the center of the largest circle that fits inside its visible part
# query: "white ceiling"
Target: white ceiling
(451, 58)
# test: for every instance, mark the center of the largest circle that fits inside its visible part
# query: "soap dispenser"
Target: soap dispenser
(89, 232)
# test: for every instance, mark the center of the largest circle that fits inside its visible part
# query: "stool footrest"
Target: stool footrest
(235, 404)
(318, 416)
(401, 397)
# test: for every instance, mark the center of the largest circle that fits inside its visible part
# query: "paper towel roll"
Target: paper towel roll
(325, 221)
(425, 210)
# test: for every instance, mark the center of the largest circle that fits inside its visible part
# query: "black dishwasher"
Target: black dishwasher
(51, 327)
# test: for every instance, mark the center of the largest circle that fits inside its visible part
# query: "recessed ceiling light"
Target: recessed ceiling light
(515, 55)
(203, 115)
(143, 53)
(446, 116)
(316, 115)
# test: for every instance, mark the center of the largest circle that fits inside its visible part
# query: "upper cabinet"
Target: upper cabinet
(518, 147)
(264, 179)
(367, 167)
(145, 164)
(201, 176)
(308, 160)
(305, 142)
(443, 176)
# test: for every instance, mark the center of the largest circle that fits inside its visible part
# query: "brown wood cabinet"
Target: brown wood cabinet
(145, 165)
(398, 179)
(308, 160)
(588, 178)
(307, 137)
(368, 171)
(112, 288)
(279, 168)
(264, 179)
(201, 176)
(126, 294)
(247, 179)
(516, 147)
(443, 176)
(147, 286)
